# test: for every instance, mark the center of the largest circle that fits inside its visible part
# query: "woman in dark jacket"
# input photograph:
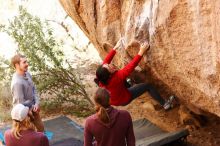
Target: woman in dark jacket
(108, 126)
(23, 131)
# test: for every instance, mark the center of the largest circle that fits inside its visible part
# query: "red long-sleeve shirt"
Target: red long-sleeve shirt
(119, 94)
(119, 132)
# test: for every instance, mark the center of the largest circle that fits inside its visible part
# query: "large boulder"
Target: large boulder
(184, 37)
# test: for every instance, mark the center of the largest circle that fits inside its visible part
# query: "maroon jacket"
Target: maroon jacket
(116, 84)
(29, 138)
(117, 133)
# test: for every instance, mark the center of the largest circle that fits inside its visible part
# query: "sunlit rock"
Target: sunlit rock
(184, 37)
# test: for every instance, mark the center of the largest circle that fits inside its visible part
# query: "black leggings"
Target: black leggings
(138, 89)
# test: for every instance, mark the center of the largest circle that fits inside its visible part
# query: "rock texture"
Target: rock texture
(184, 37)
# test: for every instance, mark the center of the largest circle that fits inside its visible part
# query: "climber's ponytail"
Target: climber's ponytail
(102, 75)
(101, 99)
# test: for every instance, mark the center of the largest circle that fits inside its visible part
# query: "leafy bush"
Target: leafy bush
(52, 74)
(5, 103)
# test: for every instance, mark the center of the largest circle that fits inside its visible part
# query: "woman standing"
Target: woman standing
(108, 126)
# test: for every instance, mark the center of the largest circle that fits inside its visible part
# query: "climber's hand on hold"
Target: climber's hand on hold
(120, 44)
(144, 47)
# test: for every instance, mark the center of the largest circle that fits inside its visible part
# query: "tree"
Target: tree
(5, 72)
(52, 74)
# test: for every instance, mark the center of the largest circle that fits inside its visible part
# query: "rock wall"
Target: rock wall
(184, 37)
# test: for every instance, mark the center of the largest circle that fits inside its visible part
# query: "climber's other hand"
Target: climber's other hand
(120, 44)
(143, 48)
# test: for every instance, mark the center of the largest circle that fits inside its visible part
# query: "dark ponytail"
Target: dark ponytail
(96, 80)
(101, 99)
(102, 75)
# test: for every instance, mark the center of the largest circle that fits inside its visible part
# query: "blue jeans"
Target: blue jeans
(139, 89)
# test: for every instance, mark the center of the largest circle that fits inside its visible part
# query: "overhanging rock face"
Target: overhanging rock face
(184, 37)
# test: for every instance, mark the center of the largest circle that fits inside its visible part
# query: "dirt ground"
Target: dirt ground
(207, 135)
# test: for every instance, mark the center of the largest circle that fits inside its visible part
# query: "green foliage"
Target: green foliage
(5, 72)
(5, 94)
(36, 43)
(5, 103)
(52, 74)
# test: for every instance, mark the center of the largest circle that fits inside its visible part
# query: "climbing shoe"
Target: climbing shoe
(169, 103)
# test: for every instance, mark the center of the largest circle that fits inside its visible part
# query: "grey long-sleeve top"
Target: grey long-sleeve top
(23, 90)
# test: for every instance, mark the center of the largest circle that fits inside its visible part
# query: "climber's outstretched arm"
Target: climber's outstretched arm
(111, 54)
(129, 68)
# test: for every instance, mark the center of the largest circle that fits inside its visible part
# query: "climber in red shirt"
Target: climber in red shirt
(113, 80)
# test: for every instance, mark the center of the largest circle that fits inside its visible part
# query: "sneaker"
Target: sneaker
(171, 98)
(168, 103)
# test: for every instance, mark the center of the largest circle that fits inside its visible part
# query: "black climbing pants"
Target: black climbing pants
(138, 89)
